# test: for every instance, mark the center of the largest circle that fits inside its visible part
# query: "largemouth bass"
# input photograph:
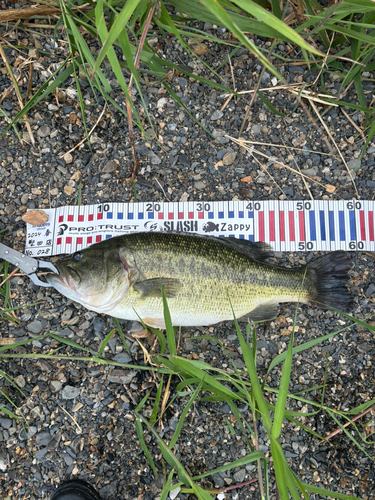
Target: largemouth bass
(203, 277)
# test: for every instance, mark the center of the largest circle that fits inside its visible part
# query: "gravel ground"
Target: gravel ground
(80, 415)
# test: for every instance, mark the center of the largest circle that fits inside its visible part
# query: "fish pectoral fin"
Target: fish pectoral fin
(152, 287)
(264, 312)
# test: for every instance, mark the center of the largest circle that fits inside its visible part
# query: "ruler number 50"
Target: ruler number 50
(309, 245)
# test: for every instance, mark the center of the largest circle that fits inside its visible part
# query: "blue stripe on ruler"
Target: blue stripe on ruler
(109, 215)
(231, 214)
(221, 215)
(120, 215)
(150, 215)
(342, 225)
(250, 215)
(331, 226)
(130, 215)
(240, 215)
(322, 226)
(140, 215)
(210, 215)
(251, 237)
(352, 225)
(312, 225)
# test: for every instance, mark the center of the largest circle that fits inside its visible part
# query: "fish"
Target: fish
(205, 279)
(210, 226)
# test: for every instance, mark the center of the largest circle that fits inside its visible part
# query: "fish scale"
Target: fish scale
(203, 279)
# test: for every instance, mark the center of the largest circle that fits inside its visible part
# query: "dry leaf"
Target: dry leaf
(200, 49)
(35, 217)
(7, 341)
(247, 180)
(140, 335)
(330, 188)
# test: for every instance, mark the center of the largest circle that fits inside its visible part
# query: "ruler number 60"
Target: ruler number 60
(353, 204)
(353, 245)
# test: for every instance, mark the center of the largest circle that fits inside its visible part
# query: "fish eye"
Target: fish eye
(78, 256)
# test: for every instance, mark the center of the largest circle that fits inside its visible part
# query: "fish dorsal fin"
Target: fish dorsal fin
(258, 250)
(152, 287)
(264, 312)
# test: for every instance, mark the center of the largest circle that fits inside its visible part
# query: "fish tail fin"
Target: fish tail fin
(327, 279)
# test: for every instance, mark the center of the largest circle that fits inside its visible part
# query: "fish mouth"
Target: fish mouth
(68, 277)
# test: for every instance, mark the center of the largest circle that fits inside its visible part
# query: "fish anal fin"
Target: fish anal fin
(264, 312)
(152, 287)
(154, 322)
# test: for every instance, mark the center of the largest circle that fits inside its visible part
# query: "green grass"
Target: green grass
(337, 40)
(197, 381)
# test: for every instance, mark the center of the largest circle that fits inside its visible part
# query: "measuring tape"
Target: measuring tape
(288, 226)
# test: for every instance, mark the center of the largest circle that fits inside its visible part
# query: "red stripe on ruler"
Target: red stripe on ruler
(261, 225)
(362, 224)
(180, 215)
(200, 215)
(98, 238)
(371, 225)
(89, 240)
(282, 226)
(301, 223)
(272, 225)
(160, 215)
(190, 215)
(292, 235)
(80, 218)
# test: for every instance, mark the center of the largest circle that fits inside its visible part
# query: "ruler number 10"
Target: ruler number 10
(103, 208)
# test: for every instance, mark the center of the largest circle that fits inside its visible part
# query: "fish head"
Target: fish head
(95, 277)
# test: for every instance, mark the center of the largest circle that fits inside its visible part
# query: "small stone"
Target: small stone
(20, 381)
(256, 129)
(216, 115)
(73, 118)
(53, 107)
(121, 376)
(5, 423)
(69, 190)
(154, 159)
(55, 385)
(70, 392)
(239, 476)
(35, 327)
(354, 164)
(68, 158)
(161, 103)
(310, 171)
(76, 175)
(54, 191)
(43, 438)
(200, 185)
(3, 463)
(229, 158)
(184, 160)
(110, 166)
(173, 493)
(123, 357)
(24, 199)
(43, 131)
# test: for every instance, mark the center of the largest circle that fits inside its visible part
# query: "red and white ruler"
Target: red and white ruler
(286, 225)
